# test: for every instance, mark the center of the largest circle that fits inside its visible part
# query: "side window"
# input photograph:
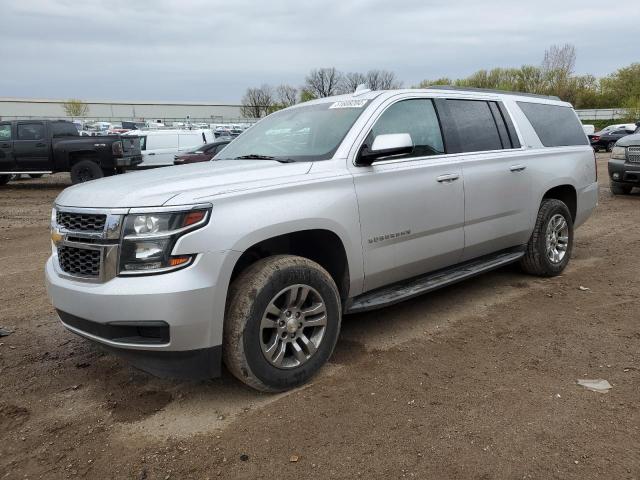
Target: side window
(30, 131)
(475, 125)
(63, 129)
(418, 118)
(5, 132)
(219, 148)
(555, 125)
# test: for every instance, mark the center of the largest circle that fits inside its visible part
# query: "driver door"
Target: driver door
(411, 206)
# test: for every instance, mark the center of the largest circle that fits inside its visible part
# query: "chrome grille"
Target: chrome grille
(633, 154)
(79, 261)
(81, 222)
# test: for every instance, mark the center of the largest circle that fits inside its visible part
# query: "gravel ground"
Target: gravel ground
(474, 381)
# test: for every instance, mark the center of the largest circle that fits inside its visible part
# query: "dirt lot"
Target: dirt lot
(474, 381)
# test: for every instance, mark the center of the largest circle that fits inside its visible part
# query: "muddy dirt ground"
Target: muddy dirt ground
(474, 381)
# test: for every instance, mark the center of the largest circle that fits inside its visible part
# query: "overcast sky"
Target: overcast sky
(213, 50)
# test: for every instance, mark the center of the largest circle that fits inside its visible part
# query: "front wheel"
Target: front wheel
(282, 322)
(551, 242)
(85, 170)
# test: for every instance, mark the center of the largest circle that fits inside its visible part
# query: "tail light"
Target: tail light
(595, 138)
(117, 149)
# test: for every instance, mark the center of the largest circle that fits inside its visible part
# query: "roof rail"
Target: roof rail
(490, 90)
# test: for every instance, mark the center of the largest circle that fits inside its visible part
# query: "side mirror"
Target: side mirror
(385, 146)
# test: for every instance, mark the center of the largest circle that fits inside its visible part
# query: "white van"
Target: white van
(159, 146)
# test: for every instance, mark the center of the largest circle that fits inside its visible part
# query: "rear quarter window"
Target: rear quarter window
(555, 125)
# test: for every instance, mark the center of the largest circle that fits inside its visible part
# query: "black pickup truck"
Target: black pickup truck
(49, 146)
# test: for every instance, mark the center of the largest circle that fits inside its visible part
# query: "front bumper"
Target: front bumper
(622, 171)
(129, 161)
(163, 323)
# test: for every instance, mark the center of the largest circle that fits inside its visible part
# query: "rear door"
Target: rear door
(31, 147)
(160, 149)
(497, 181)
(7, 160)
(188, 140)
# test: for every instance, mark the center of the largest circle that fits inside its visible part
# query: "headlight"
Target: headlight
(149, 238)
(619, 153)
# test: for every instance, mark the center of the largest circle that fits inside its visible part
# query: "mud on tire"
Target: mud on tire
(536, 260)
(247, 334)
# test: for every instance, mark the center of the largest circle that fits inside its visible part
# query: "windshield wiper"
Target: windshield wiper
(255, 156)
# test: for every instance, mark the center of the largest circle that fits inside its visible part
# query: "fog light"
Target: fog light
(616, 176)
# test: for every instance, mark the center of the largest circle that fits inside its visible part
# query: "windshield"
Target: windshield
(305, 133)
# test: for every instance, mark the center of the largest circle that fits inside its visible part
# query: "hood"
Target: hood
(629, 141)
(184, 183)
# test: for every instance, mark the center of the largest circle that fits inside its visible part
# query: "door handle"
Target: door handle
(517, 168)
(5, 145)
(40, 144)
(150, 154)
(448, 177)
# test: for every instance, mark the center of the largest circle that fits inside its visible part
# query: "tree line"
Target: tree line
(555, 75)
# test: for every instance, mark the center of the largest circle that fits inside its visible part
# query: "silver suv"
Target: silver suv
(329, 207)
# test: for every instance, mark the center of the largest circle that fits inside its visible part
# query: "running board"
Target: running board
(385, 296)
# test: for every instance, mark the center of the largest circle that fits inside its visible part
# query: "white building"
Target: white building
(106, 110)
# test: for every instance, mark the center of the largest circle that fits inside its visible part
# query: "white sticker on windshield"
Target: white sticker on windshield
(349, 104)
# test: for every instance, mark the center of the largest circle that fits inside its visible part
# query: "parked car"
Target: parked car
(624, 164)
(589, 129)
(159, 147)
(36, 147)
(606, 141)
(201, 154)
(618, 126)
(330, 207)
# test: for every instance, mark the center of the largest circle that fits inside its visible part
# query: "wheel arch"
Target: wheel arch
(321, 245)
(567, 194)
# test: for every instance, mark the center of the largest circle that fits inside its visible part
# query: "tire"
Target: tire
(85, 170)
(610, 146)
(35, 175)
(536, 260)
(4, 179)
(620, 188)
(264, 284)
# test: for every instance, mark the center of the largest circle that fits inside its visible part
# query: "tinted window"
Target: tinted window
(418, 118)
(476, 128)
(556, 126)
(30, 131)
(63, 129)
(5, 132)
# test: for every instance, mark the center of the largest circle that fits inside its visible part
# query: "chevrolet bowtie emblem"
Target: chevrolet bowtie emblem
(56, 236)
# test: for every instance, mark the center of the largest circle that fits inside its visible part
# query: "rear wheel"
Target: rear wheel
(282, 322)
(610, 146)
(620, 188)
(4, 179)
(551, 242)
(85, 170)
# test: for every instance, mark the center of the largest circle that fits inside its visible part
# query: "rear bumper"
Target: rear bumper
(624, 172)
